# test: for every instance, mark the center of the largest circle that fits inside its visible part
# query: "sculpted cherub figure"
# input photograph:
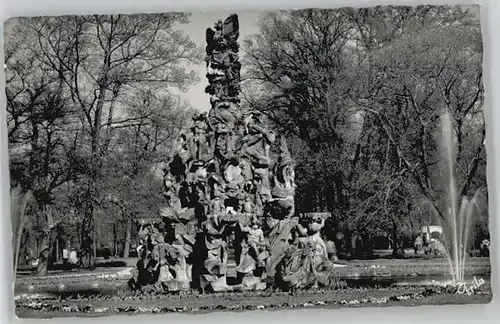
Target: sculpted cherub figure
(257, 247)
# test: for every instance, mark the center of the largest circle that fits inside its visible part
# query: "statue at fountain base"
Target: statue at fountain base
(306, 262)
(253, 283)
(212, 283)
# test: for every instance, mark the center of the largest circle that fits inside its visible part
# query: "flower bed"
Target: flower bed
(161, 303)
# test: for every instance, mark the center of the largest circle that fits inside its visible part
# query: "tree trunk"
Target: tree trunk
(18, 241)
(46, 251)
(57, 250)
(128, 235)
(94, 247)
(47, 244)
(349, 246)
(42, 266)
(22, 222)
(115, 241)
(96, 126)
(86, 259)
(367, 245)
(398, 249)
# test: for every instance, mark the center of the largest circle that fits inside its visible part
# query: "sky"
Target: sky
(199, 22)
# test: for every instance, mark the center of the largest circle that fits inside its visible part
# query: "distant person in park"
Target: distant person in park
(29, 257)
(65, 256)
(435, 247)
(418, 244)
(105, 252)
(430, 248)
(425, 239)
(73, 258)
(484, 249)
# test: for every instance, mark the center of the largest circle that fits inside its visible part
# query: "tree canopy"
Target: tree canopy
(91, 111)
(362, 92)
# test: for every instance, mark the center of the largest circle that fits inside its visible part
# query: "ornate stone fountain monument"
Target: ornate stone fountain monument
(229, 199)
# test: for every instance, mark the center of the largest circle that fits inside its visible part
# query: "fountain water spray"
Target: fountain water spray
(456, 221)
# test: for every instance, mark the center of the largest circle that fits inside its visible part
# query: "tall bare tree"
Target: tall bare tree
(363, 89)
(99, 65)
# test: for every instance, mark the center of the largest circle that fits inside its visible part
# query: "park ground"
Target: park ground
(383, 264)
(90, 297)
(234, 302)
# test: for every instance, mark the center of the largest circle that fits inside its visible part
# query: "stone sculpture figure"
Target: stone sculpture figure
(223, 149)
(257, 244)
(211, 44)
(248, 206)
(223, 67)
(216, 207)
(284, 175)
(255, 145)
(257, 142)
(278, 235)
(177, 269)
(247, 173)
(215, 264)
(231, 28)
(283, 190)
(182, 148)
(171, 189)
(140, 277)
(306, 262)
(153, 267)
(224, 116)
(233, 173)
(252, 253)
(223, 191)
(176, 254)
(199, 144)
(216, 185)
